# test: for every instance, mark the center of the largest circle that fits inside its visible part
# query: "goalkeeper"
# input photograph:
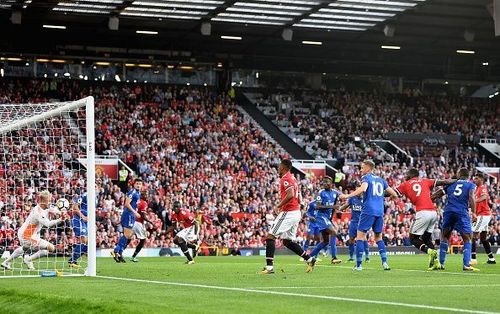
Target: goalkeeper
(29, 233)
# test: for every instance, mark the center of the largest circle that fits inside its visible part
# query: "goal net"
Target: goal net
(47, 157)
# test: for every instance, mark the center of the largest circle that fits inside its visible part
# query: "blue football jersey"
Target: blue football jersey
(356, 205)
(458, 196)
(373, 198)
(312, 210)
(327, 198)
(82, 202)
(135, 196)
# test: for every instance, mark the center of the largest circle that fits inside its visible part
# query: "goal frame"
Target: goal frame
(88, 102)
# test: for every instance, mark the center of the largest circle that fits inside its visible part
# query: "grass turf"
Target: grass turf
(160, 288)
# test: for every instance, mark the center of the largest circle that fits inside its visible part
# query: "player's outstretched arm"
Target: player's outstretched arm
(344, 207)
(391, 192)
(196, 225)
(361, 189)
(437, 194)
(444, 182)
(50, 223)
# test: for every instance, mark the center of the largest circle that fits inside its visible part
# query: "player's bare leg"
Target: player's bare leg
(195, 246)
(475, 238)
(292, 246)
(487, 247)
(137, 250)
(185, 249)
(483, 237)
(418, 242)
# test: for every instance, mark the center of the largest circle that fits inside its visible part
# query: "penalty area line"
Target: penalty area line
(301, 295)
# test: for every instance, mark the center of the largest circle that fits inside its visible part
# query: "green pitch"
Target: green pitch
(231, 285)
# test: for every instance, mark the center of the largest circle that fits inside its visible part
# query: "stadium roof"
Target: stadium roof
(432, 38)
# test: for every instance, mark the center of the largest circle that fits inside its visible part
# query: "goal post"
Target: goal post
(41, 149)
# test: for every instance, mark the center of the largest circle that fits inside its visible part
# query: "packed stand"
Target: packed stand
(193, 145)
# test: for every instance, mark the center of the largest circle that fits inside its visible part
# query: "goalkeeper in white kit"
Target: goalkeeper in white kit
(29, 233)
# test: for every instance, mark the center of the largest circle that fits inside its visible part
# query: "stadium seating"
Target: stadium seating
(194, 145)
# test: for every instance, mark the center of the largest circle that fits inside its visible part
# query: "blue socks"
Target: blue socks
(306, 245)
(122, 244)
(351, 250)
(318, 249)
(443, 249)
(78, 251)
(381, 250)
(359, 252)
(333, 246)
(367, 250)
(467, 253)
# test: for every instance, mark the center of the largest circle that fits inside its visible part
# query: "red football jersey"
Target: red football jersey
(184, 217)
(482, 208)
(288, 182)
(141, 207)
(418, 191)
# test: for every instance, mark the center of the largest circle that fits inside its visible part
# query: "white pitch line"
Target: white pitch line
(381, 286)
(302, 295)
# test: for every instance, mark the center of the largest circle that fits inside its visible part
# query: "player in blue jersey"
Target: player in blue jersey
(79, 223)
(373, 189)
(325, 203)
(127, 220)
(312, 227)
(456, 216)
(356, 205)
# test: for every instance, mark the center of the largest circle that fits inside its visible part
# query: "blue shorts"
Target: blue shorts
(127, 220)
(353, 229)
(455, 221)
(312, 229)
(367, 222)
(80, 228)
(323, 223)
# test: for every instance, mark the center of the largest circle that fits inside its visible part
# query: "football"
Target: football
(62, 204)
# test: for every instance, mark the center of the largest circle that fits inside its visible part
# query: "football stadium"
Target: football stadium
(260, 156)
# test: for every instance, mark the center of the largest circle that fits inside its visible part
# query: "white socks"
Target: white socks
(38, 254)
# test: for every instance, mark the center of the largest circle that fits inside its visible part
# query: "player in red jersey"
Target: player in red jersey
(139, 229)
(481, 220)
(418, 191)
(187, 238)
(286, 223)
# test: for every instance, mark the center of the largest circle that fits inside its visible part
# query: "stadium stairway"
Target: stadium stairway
(270, 128)
(394, 150)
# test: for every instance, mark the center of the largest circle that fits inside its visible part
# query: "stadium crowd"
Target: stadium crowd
(194, 145)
